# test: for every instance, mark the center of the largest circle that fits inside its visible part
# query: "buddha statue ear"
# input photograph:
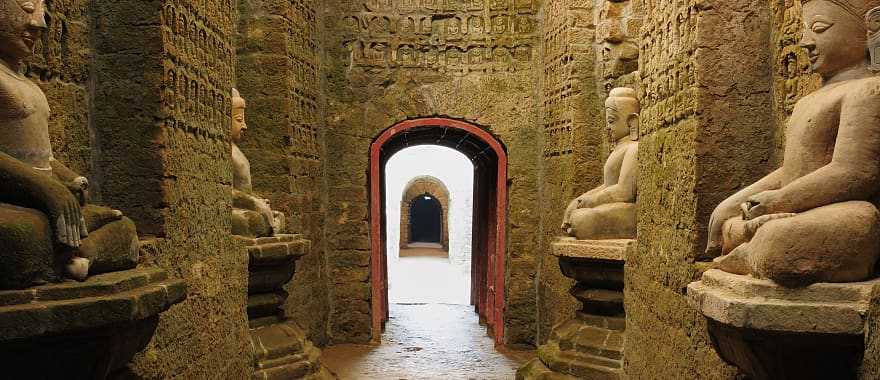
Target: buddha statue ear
(633, 123)
(872, 23)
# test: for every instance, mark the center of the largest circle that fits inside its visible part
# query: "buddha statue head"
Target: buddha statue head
(836, 34)
(21, 23)
(239, 126)
(622, 114)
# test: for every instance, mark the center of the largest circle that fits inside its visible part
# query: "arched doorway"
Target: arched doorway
(420, 187)
(425, 220)
(489, 214)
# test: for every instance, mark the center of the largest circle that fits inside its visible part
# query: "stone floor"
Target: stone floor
(427, 342)
(424, 274)
(432, 334)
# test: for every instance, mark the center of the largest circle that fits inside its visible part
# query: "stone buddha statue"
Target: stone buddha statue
(48, 230)
(609, 211)
(251, 215)
(815, 219)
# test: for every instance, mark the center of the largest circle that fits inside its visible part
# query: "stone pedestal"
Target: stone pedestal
(280, 348)
(589, 346)
(83, 330)
(772, 332)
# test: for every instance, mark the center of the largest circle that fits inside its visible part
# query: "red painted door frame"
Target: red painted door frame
(497, 235)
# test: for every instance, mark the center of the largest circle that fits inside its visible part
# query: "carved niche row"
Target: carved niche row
(199, 66)
(559, 77)
(448, 28)
(667, 73)
(445, 36)
(304, 55)
(406, 6)
(451, 59)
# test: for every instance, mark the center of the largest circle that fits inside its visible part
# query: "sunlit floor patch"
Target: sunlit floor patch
(427, 342)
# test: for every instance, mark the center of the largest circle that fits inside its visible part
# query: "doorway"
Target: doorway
(489, 220)
(425, 220)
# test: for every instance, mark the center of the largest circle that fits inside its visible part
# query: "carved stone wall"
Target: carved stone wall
(162, 75)
(279, 74)
(418, 187)
(61, 68)
(706, 106)
(370, 90)
(447, 36)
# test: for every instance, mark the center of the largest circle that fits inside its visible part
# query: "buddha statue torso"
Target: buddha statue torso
(24, 112)
(811, 132)
(241, 170)
(815, 219)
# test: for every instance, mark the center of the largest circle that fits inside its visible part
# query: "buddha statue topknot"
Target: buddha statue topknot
(815, 219)
(609, 211)
(251, 215)
(48, 230)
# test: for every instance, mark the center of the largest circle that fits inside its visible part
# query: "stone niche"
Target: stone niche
(83, 330)
(590, 345)
(772, 332)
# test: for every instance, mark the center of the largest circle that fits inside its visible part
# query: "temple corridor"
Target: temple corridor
(433, 333)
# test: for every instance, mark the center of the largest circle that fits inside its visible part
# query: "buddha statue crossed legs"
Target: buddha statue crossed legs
(47, 228)
(609, 211)
(815, 219)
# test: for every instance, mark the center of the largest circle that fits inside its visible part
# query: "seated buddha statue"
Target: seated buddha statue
(251, 215)
(815, 219)
(48, 228)
(609, 211)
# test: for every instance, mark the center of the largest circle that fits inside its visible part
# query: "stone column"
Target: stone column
(278, 66)
(161, 76)
(706, 130)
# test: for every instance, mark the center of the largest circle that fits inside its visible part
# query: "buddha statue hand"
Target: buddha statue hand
(65, 212)
(80, 188)
(760, 204)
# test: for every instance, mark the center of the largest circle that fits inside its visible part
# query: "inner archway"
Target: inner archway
(489, 212)
(419, 187)
(425, 220)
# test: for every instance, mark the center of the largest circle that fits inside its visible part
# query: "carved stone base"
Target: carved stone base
(281, 351)
(589, 346)
(83, 330)
(772, 332)
(280, 348)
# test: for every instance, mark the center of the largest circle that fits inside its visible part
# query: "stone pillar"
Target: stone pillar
(590, 345)
(278, 72)
(162, 75)
(706, 130)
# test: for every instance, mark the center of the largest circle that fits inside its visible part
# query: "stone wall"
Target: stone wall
(162, 76)
(390, 61)
(61, 67)
(706, 73)
(279, 74)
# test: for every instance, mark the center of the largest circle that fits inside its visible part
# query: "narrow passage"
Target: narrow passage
(438, 337)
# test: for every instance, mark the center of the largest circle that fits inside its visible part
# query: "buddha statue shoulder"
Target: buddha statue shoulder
(48, 228)
(251, 215)
(609, 211)
(815, 219)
